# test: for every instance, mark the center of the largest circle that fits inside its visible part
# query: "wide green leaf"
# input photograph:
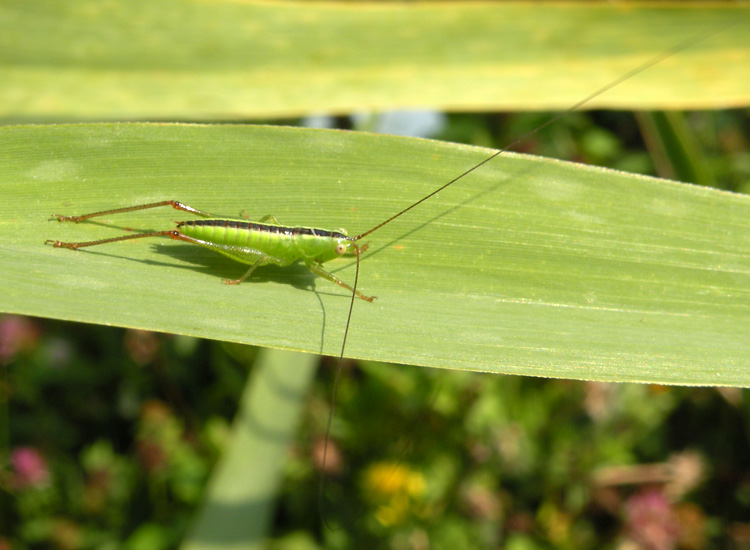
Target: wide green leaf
(528, 266)
(229, 59)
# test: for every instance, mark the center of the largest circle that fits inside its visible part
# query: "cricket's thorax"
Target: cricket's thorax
(292, 243)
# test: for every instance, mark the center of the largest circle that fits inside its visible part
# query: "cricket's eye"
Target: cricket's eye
(340, 248)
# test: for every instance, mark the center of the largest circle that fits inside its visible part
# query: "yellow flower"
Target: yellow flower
(394, 489)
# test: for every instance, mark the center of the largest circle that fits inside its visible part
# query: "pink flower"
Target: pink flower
(29, 468)
(17, 333)
(651, 520)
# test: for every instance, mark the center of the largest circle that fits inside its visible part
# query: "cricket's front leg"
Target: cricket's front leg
(318, 270)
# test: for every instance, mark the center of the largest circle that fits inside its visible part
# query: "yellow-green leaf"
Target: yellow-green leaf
(229, 59)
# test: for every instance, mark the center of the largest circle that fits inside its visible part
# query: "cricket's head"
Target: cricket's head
(340, 244)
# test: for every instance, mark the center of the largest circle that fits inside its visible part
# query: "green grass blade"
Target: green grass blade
(186, 59)
(529, 266)
(674, 148)
(243, 490)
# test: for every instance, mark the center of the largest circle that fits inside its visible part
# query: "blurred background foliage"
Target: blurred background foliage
(111, 435)
(108, 436)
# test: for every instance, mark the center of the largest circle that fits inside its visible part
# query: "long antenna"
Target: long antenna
(321, 492)
(630, 74)
(681, 46)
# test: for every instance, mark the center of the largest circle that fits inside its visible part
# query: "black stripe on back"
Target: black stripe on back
(253, 226)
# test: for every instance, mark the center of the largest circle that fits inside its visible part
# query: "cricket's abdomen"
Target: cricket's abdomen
(274, 240)
(287, 244)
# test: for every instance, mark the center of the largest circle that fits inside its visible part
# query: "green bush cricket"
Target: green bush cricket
(253, 243)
